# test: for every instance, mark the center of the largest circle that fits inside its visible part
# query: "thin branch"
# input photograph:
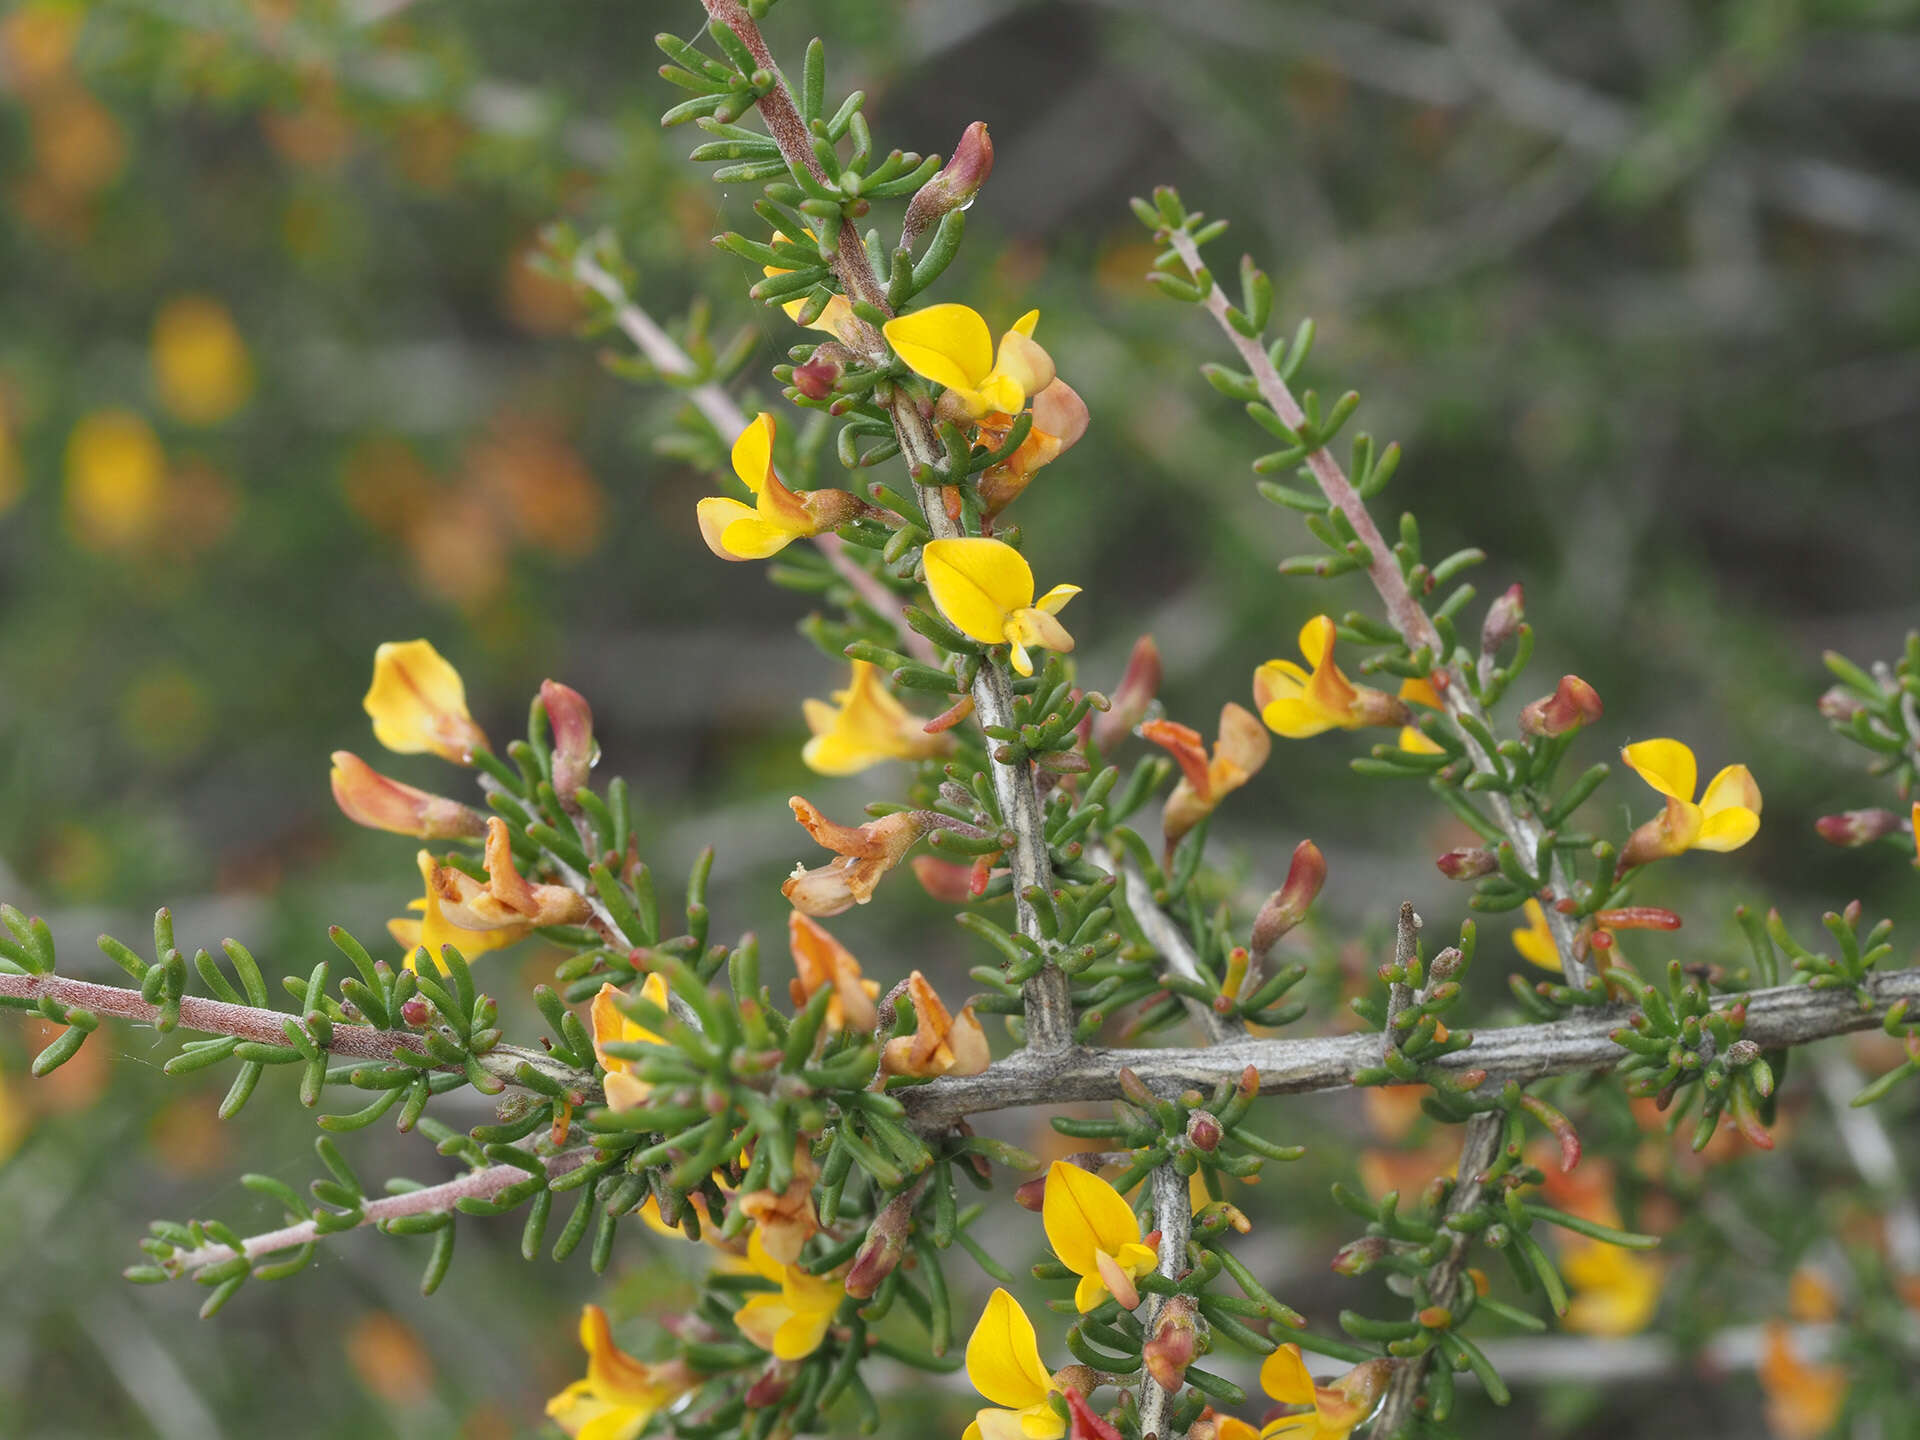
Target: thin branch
(1166, 936)
(1049, 1004)
(1173, 1217)
(1782, 1016)
(1403, 610)
(268, 1027)
(1406, 940)
(1478, 1150)
(481, 1184)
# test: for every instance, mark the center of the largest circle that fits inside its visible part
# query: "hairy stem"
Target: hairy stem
(1173, 1217)
(481, 1184)
(1523, 830)
(1049, 1005)
(1166, 936)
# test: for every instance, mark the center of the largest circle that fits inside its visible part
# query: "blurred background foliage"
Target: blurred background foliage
(1634, 283)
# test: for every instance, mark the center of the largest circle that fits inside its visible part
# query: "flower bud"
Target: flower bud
(1084, 1423)
(885, 1245)
(416, 1011)
(954, 187)
(1574, 704)
(1851, 828)
(771, 1385)
(1841, 704)
(818, 376)
(1032, 1195)
(1138, 685)
(367, 797)
(1357, 1257)
(1742, 1052)
(1203, 1130)
(1503, 620)
(1287, 906)
(1468, 863)
(573, 749)
(1174, 1343)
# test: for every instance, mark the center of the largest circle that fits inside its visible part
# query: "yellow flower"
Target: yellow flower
(625, 1090)
(433, 929)
(951, 346)
(866, 726)
(1239, 752)
(785, 1220)
(419, 703)
(1616, 1291)
(1412, 739)
(1336, 1409)
(836, 317)
(1003, 1362)
(115, 480)
(367, 797)
(1726, 818)
(1297, 703)
(778, 516)
(620, 1394)
(1803, 1400)
(819, 959)
(1536, 943)
(200, 363)
(1096, 1235)
(984, 588)
(789, 1323)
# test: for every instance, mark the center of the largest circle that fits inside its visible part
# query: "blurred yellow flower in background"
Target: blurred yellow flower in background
(116, 476)
(201, 367)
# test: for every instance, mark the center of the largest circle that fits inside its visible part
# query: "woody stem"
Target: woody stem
(1049, 1004)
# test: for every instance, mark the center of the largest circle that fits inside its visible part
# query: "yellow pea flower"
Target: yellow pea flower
(116, 480)
(951, 346)
(625, 1090)
(433, 929)
(1336, 1409)
(790, 1323)
(984, 588)
(619, 1394)
(1536, 943)
(1414, 740)
(200, 363)
(1096, 1235)
(836, 317)
(419, 703)
(1727, 817)
(1297, 703)
(1003, 1362)
(778, 516)
(865, 726)
(1616, 1291)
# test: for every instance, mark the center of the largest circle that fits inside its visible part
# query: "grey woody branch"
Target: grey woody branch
(1403, 610)
(1049, 1006)
(1782, 1016)
(482, 1184)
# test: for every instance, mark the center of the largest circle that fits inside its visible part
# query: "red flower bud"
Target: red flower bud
(1357, 1257)
(415, 1011)
(1573, 704)
(1856, 827)
(1139, 683)
(1287, 906)
(885, 1245)
(954, 187)
(1085, 1424)
(574, 752)
(1503, 620)
(818, 376)
(1467, 864)
(1203, 1130)
(1174, 1343)
(1032, 1195)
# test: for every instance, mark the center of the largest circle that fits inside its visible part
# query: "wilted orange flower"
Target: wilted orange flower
(786, 1218)
(866, 853)
(367, 797)
(506, 898)
(1803, 1399)
(822, 960)
(1239, 752)
(942, 1043)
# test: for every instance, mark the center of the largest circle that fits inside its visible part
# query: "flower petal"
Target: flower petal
(1666, 765)
(1055, 600)
(1728, 830)
(1317, 637)
(1536, 943)
(1733, 786)
(1295, 719)
(1083, 1214)
(977, 583)
(947, 344)
(1003, 1355)
(1278, 680)
(715, 514)
(753, 453)
(1284, 1376)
